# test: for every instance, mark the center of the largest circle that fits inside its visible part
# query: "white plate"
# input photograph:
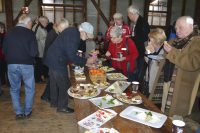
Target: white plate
(116, 76)
(103, 130)
(107, 68)
(118, 96)
(84, 97)
(118, 87)
(105, 102)
(97, 119)
(157, 120)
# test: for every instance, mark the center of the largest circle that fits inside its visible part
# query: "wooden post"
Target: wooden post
(197, 12)
(113, 5)
(169, 12)
(9, 14)
(98, 17)
(40, 8)
(183, 8)
(100, 12)
(85, 10)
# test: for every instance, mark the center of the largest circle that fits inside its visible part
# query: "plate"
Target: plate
(140, 115)
(80, 77)
(116, 76)
(102, 130)
(101, 85)
(105, 102)
(97, 119)
(107, 68)
(118, 87)
(131, 99)
(83, 91)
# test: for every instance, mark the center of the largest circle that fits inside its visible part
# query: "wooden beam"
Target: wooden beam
(98, 16)
(40, 8)
(113, 5)
(9, 13)
(61, 5)
(84, 10)
(146, 8)
(197, 12)
(26, 3)
(183, 8)
(100, 12)
(169, 13)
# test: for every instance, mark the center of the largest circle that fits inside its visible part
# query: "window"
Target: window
(157, 15)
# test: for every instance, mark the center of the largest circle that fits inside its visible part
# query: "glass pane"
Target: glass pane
(59, 1)
(163, 21)
(150, 8)
(58, 13)
(155, 8)
(47, 1)
(150, 20)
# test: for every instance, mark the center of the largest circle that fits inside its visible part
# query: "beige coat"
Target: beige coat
(187, 60)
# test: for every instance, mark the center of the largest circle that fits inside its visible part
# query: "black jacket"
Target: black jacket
(141, 32)
(63, 51)
(20, 46)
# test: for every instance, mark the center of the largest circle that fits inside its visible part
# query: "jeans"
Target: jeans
(16, 73)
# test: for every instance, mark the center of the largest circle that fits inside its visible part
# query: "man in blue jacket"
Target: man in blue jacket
(20, 48)
(63, 51)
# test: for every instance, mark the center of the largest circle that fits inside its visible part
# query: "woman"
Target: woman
(155, 53)
(123, 53)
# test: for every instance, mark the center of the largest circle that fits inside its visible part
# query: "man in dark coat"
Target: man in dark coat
(62, 51)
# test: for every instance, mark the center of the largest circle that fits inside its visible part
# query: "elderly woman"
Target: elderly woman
(155, 53)
(123, 53)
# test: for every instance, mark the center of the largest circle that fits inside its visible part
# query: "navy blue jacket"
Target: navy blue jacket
(20, 46)
(63, 51)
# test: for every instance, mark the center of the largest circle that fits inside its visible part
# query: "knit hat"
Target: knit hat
(88, 28)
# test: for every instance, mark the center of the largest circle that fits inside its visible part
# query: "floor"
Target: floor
(44, 119)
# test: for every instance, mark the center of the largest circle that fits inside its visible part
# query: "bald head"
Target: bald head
(184, 26)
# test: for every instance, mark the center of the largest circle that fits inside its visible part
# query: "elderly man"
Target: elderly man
(140, 30)
(118, 21)
(20, 48)
(183, 54)
(63, 51)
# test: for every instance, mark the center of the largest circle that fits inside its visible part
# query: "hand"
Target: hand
(119, 59)
(150, 49)
(167, 47)
(108, 54)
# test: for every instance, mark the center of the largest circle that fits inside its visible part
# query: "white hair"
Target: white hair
(117, 16)
(64, 23)
(24, 19)
(188, 20)
(115, 31)
(132, 9)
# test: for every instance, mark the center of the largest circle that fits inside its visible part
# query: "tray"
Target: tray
(116, 76)
(118, 87)
(105, 102)
(97, 119)
(136, 99)
(139, 115)
(107, 69)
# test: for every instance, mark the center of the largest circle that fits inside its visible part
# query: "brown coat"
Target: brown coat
(187, 60)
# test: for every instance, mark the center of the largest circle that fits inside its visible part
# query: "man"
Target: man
(20, 48)
(51, 36)
(63, 51)
(140, 30)
(41, 34)
(183, 53)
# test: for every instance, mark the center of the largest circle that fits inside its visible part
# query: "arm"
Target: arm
(133, 53)
(33, 46)
(188, 58)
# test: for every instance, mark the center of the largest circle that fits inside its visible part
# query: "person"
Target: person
(20, 48)
(140, 30)
(155, 53)
(41, 34)
(51, 36)
(62, 51)
(119, 44)
(118, 21)
(183, 54)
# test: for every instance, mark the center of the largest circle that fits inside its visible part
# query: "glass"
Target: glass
(178, 126)
(135, 86)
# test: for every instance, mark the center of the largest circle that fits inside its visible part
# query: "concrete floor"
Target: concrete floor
(44, 119)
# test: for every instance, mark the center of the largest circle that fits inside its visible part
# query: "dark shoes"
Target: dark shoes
(66, 110)
(19, 116)
(23, 116)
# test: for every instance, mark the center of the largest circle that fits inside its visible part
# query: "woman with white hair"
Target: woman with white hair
(118, 21)
(123, 53)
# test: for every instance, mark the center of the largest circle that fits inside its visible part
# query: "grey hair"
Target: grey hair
(188, 20)
(64, 23)
(115, 31)
(132, 9)
(25, 19)
(43, 18)
(117, 16)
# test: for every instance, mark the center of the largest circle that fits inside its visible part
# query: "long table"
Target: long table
(84, 108)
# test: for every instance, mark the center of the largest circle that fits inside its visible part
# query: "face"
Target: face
(116, 39)
(132, 17)
(152, 46)
(83, 35)
(1, 30)
(44, 23)
(29, 25)
(118, 22)
(183, 29)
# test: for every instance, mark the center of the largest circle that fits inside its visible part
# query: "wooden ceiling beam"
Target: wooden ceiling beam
(113, 5)
(26, 4)
(100, 12)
